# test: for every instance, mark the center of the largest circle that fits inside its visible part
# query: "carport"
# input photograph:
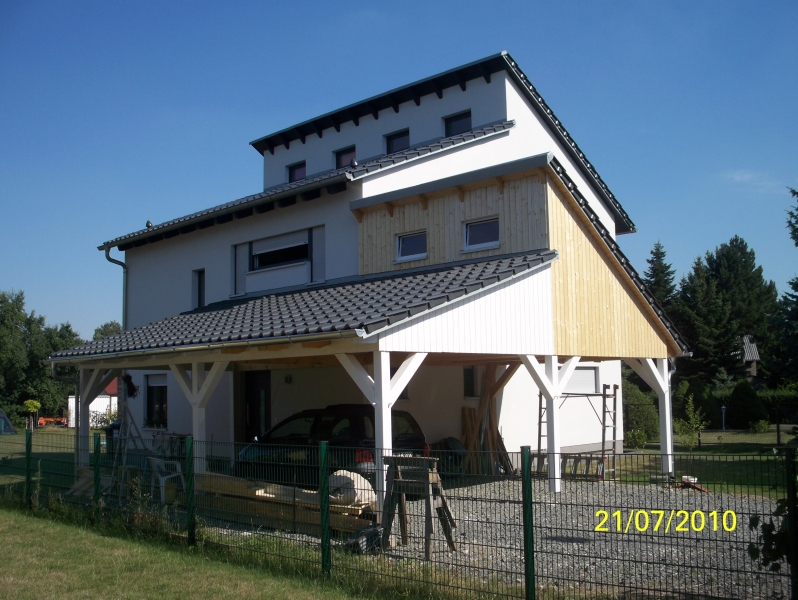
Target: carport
(493, 312)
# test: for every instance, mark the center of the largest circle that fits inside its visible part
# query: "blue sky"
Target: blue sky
(113, 113)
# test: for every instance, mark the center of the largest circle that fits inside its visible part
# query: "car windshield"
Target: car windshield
(295, 431)
(404, 427)
(335, 429)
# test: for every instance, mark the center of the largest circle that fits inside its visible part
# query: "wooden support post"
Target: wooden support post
(655, 373)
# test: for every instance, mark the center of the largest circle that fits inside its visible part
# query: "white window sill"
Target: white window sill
(479, 248)
(405, 259)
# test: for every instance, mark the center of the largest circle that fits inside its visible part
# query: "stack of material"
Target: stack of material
(481, 435)
(285, 507)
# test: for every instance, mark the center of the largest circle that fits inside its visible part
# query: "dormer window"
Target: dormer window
(344, 157)
(457, 124)
(481, 235)
(296, 172)
(396, 142)
(411, 246)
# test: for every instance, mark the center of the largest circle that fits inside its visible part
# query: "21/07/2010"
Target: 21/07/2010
(677, 521)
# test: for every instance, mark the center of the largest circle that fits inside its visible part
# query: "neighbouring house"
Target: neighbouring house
(750, 356)
(448, 239)
(101, 410)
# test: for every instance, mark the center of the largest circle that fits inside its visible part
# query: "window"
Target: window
(156, 401)
(280, 250)
(396, 142)
(412, 246)
(480, 235)
(457, 124)
(469, 382)
(584, 380)
(199, 288)
(344, 157)
(296, 172)
(295, 431)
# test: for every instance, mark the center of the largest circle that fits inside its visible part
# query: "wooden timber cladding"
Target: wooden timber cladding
(520, 207)
(596, 312)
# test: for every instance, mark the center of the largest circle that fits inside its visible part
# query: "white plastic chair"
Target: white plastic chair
(164, 470)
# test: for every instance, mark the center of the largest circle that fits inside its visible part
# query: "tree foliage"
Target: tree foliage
(640, 413)
(660, 277)
(26, 342)
(704, 318)
(744, 407)
(689, 428)
(106, 330)
(782, 361)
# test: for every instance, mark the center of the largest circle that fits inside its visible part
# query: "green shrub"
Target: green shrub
(639, 412)
(636, 438)
(689, 428)
(761, 426)
(744, 407)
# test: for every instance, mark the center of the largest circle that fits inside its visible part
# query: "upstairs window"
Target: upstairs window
(412, 246)
(344, 157)
(396, 142)
(457, 124)
(296, 172)
(481, 235)
(280, 250)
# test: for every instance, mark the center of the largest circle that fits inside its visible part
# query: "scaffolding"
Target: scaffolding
(598, 464)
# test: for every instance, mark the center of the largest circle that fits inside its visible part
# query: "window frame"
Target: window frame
(292, 169)
(396, 135)
(448, 120)
(486, 245)
(348, 150)
(150, 407)
(411, 257)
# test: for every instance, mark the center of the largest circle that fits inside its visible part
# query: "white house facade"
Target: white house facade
(447, 237)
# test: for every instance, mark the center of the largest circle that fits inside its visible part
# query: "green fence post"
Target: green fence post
(792, 522)
(28, 472)
(324, 509)
(96, 466)
(191, 519)
(529, 537)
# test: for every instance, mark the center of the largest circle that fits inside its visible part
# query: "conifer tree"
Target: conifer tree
(783, 361)
(659, 277)
(704, 318)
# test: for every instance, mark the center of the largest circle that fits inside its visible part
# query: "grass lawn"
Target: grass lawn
(41, 559)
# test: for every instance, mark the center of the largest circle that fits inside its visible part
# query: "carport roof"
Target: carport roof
(367, 303)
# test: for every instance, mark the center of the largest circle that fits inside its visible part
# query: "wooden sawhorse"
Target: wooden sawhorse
(417, 476)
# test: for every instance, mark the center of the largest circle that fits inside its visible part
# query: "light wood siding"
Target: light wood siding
(522, 220)
(514, 317)
(596, 312)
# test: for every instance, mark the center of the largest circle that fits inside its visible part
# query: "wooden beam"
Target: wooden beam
(404, 374)
(500, 184)
(358, 215)
(389, 208)
(318, 344)
(272, 347)
(535, 369)
(233, 350)
(504, 378)
(460, 193)
(358, 374)
(424, 201)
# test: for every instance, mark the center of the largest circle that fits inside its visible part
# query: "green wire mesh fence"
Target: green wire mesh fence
(441, 523)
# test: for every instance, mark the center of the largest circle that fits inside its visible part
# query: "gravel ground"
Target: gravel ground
(571, 555)
(574, 560)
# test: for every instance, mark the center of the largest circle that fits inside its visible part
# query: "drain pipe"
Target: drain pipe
(121, 388)
(124, 285)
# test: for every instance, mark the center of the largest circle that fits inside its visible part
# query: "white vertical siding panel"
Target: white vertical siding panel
(512, 318)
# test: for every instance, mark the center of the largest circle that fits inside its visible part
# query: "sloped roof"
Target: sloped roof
(483, 68)
(750, 351)
(368, 303)
(286, 192)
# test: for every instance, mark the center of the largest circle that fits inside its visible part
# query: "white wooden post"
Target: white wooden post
(382, 391)
(551, 381)
(198, 390)
(656, 374)
(383, 440)
(553, 425)
(92, 382)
